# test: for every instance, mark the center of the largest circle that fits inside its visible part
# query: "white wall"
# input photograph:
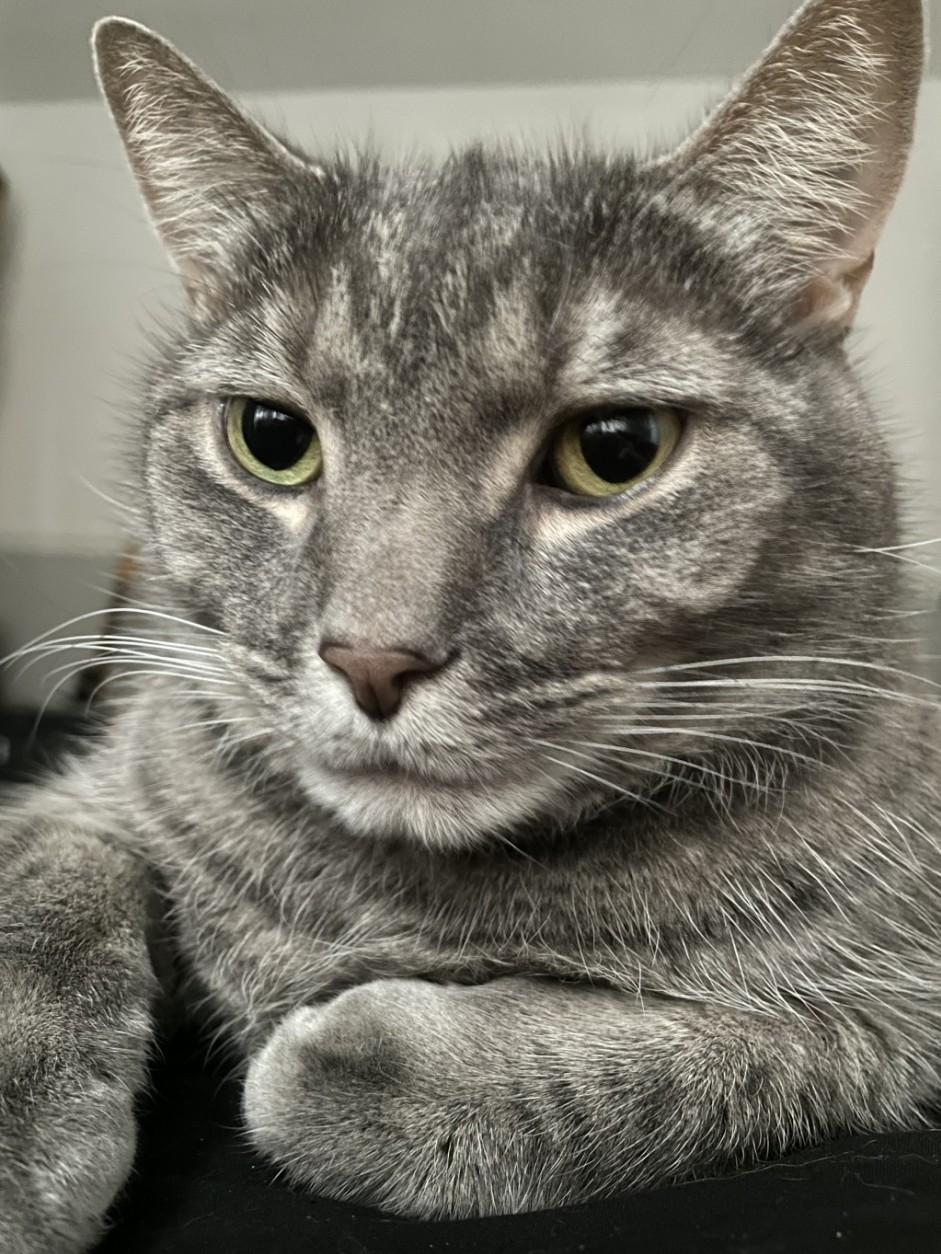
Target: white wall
(85, 276)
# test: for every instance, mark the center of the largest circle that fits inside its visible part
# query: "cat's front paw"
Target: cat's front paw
(68, 1129)
(370, 1097)
(63, 1159)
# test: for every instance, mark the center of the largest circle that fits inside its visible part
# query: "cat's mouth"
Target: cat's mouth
(441, 805)
(421, 765)
(407, 776)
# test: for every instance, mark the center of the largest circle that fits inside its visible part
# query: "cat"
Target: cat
(525, 764)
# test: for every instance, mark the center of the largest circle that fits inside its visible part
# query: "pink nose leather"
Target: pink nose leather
(377, 677)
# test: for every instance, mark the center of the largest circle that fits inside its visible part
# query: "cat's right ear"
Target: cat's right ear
(803, 161)
(205, 169)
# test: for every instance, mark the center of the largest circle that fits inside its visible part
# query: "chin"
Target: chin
(444, 816)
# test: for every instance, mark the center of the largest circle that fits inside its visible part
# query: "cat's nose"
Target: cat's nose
(377, 677)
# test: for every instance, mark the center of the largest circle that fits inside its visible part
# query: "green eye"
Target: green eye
(278, 447)
(607, 450)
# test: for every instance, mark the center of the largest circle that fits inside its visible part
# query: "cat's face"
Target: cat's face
(438, 329)
(437, 333)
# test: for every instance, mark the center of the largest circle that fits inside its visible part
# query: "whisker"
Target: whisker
(212, 722)
(108, 656)
(109, 641)
(836, 687)
(165, 668)
(790, 660)
(142, 672)
(722, 737)
(699, 767)
(605, 783)
(101, 614)
(715, 784)
(895, 548)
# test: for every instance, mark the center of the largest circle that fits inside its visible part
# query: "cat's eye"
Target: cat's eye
(271, 444)
(603, 452)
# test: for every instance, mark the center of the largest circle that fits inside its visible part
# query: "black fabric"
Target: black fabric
(198, 1189)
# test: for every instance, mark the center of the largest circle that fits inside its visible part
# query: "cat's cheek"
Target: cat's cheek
(714, 552)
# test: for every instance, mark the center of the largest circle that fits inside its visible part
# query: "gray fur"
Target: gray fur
(644, 881)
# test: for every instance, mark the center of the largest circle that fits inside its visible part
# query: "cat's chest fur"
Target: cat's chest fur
(263, 926)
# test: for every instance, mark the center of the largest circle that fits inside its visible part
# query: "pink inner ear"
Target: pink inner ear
(834, 298)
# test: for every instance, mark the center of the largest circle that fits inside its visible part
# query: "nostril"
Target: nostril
(377, 677)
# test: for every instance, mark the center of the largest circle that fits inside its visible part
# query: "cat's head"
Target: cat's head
(460, 457)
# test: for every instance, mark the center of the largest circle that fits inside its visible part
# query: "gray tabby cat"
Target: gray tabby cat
(526, 765)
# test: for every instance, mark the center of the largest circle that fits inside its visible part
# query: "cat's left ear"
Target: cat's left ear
(208, 173)
(804, 160)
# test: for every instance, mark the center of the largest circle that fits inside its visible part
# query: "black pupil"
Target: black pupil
(620, 446)
(276, 439)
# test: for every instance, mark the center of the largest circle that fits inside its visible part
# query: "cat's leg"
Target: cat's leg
(76, 993)
(436, 1101)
